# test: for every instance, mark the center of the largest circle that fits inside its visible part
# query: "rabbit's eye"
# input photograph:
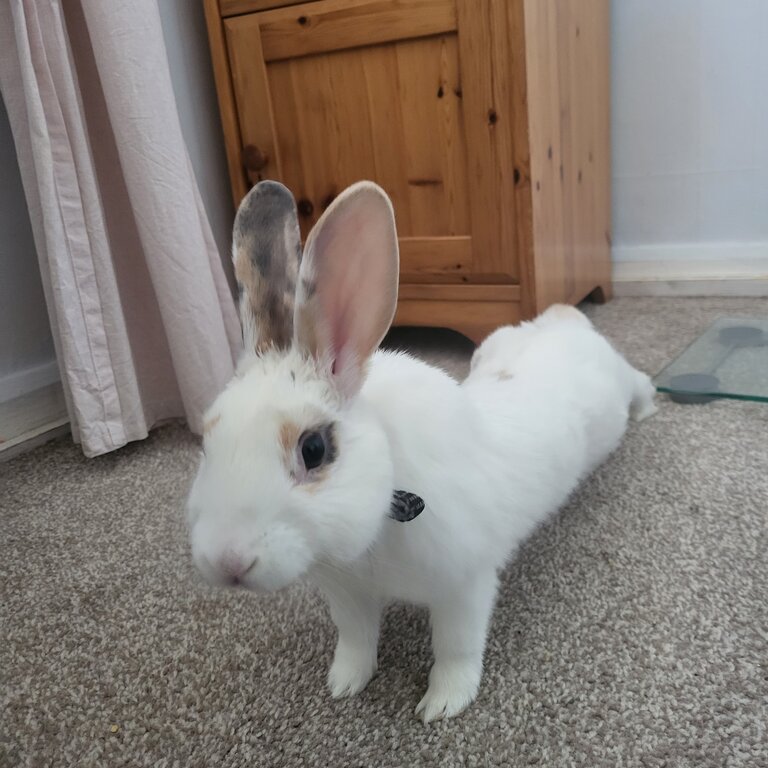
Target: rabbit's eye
(312, 449)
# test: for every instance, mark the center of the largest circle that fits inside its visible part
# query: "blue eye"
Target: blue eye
(312, 449)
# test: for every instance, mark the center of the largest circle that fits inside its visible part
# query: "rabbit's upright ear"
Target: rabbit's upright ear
(347, 292)
(266, 248)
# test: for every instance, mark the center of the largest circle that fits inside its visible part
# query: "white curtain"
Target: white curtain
(143, 320)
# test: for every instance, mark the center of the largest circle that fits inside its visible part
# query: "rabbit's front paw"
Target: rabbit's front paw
(350, 672)
(452, 687)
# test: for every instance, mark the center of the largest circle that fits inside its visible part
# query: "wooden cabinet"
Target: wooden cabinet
(486, 121)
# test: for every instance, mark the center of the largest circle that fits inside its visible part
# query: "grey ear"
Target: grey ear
(266, 248)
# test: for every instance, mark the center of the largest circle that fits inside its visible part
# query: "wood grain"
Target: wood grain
(475, 319)
(286, 119)
(446, 255)
(598, 157)
(236, 7)
(418, 76)
(570, 129)
(480, 293)
(484, 48)
(546, 147)
(449, 121)
(521, 172)
(252, 93)
(333, 25)
(435, 148)
(359, 113)
(385, 110)
(331, 135)
(447, 278)
(227, 109)
(567, 60)
(486, 121)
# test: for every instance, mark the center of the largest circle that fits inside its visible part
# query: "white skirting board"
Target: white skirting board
(720, 269)
(20, 383)
(31, 419)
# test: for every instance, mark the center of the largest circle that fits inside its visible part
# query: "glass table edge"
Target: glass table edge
(718, 395)
(667, 390)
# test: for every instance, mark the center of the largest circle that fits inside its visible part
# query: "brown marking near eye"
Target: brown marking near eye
(210, 424)
(504, 375)
(289, 437)
(290, 432)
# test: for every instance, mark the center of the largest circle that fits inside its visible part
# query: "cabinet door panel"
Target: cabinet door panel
(492, 60)
(336, 24)
(433, 135)
(394, 112)
(236, 7)
(253, 96)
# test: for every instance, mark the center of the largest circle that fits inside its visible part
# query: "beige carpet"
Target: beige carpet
(630, 631)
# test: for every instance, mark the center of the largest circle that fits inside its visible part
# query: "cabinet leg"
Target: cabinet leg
(601, 294)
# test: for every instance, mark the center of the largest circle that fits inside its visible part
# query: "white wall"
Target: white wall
(27, 359)
(690, 133)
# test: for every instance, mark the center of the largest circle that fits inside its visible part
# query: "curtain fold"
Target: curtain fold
(143, 320)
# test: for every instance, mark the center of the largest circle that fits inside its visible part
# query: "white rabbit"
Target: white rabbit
(306, 446)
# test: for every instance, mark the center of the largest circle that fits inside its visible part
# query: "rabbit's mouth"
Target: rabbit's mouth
(260, 561)
(260, 581)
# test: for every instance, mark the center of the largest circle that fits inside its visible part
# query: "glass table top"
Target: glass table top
(730, 359)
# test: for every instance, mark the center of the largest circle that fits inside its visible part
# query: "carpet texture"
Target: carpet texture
(631, 630)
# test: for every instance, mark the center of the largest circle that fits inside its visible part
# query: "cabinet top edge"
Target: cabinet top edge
(229, 8)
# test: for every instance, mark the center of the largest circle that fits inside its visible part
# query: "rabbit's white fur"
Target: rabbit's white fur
(493, 457)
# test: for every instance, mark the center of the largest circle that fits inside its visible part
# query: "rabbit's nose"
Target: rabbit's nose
(234, 566)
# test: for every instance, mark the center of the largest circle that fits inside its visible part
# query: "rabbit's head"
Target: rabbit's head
(295, 468)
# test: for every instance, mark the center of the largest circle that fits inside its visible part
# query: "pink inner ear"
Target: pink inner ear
(340, 340)
(340, 348)
(351, 258)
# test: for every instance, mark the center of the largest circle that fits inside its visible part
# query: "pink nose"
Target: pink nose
(235, 566)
